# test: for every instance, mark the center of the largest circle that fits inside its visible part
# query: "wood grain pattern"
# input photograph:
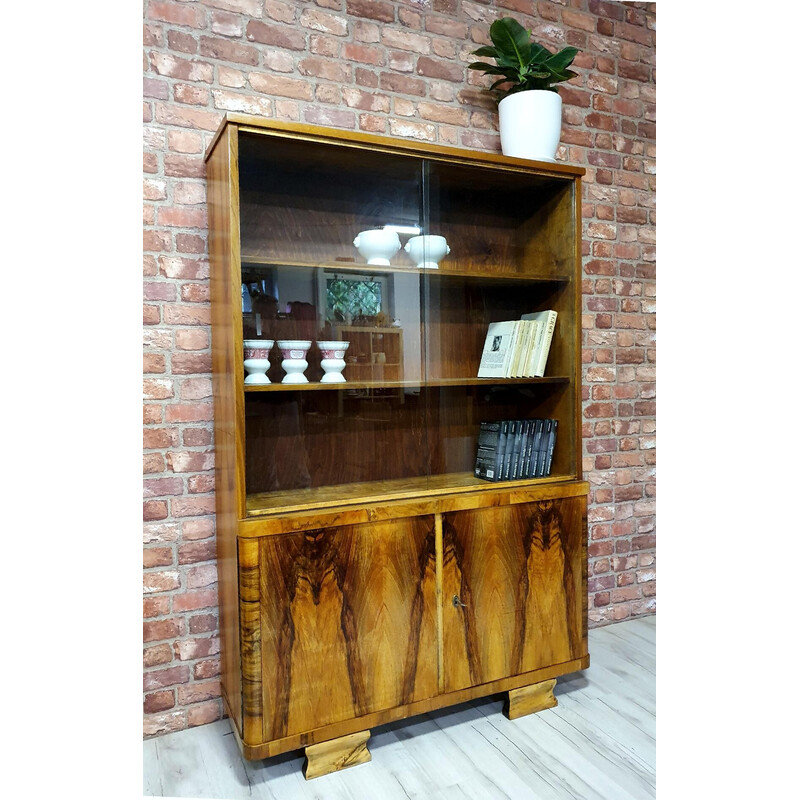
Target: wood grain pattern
(336, 754)
(530, 699)
(348, 623)
(228, 401)
(518, 571)
(346, 523)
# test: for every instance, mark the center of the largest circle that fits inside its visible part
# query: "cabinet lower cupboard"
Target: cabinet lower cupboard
(365, 573)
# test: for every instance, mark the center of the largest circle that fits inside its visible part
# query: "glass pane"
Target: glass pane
(511, 242)
(317, 273)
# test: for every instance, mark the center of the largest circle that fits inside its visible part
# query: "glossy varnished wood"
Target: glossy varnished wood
(271, 127)
(228, 402)
(530, 699)
(518, 572)
(336, 755)
(308, 500)
(346, 523)
(348, 623)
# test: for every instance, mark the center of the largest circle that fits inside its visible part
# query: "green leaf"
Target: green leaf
(497, 83)
(561, 60)
(511, 73)
(539, 53)
(490, 52)
(511, 39)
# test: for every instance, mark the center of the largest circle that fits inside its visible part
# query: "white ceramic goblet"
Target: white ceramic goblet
(256, 360)
(427, 251)
(333, 361)
(377, 245)
(294, 360)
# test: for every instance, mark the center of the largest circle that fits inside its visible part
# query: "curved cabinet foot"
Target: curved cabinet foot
(336, 754)
(530, 699)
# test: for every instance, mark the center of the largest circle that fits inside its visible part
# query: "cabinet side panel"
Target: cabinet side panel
(348, 621)
(223, 253)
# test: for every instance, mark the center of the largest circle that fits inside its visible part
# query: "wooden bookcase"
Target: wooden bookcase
(365, 574)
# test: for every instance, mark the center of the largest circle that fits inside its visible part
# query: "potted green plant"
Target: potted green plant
(529, 105)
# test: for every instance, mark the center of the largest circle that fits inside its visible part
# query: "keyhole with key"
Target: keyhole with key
(457, 602)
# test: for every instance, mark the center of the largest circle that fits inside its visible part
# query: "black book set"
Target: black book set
(515, 449)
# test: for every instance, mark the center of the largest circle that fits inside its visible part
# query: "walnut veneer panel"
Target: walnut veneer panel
(518, 570)
(348, 623)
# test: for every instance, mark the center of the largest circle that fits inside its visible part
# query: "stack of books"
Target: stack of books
(518, 348)
(515, 449)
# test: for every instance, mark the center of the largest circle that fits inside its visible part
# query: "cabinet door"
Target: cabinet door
(347, 622)
(519, 572)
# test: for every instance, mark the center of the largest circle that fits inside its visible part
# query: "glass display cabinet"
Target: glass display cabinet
(365, 573)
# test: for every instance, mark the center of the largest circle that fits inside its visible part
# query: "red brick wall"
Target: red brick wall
(395, 68)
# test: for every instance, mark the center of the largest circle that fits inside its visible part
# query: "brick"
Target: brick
(323, 22)
(193, 552)
(168, 722)
(371, 9)
(191, 649)
(203, 713)
(192, 601)
(197, 692)
(158, 679)
(173, 67)
(155, 606)
(364, 54)
(281, 86)
(330, 117)
(157, 655)
(275, 36)
(437, 68)
(206, 669)
(157, 630)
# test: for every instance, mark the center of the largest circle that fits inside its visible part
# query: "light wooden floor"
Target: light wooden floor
(599, 742)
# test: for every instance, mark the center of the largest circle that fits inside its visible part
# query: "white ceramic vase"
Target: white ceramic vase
(256, 360)
(530, 124)
(427, 251)
(377, 245)
(333, 360)
(294, 362)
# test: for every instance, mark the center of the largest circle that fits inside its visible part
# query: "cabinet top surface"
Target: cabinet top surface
(390, 144)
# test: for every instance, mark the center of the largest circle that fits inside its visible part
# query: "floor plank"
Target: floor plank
(597, 744)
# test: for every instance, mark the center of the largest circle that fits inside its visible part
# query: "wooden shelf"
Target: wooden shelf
(435, 382)
(370, 492)
(374, 269)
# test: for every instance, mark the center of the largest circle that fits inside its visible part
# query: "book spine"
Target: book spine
(536, 435)
(509, 453)
(551, 445)
(523, 441)
(547, 338)
(541, 453)
(502, 443)
(515, 461)
(512, 349)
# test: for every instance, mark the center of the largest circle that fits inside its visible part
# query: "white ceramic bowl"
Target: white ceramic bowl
(294, 348)
(334, 349)
(427, 251)
(377, 245)
(256, 360)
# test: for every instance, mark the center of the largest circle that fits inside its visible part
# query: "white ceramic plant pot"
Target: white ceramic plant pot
(294, 362)
(333, 361)
(530, 124)
(377, 245)
(256, 360)
(427, 251)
